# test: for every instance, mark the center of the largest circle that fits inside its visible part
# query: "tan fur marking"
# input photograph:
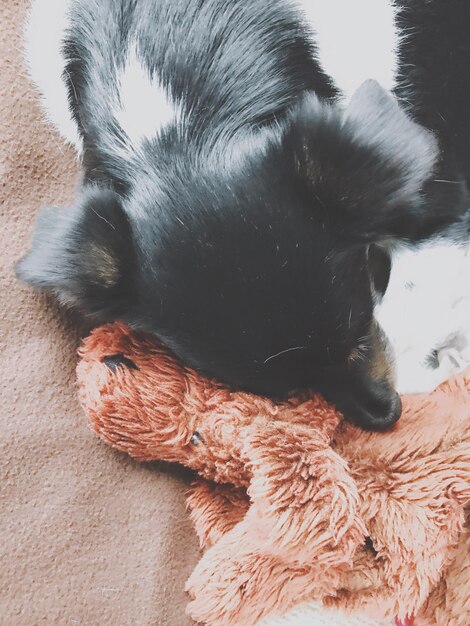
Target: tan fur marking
(104, 264)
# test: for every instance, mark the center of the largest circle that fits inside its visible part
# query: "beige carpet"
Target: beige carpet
(87, 536)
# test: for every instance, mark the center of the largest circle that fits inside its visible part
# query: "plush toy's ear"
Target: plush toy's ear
(377, 120)
(83, 254)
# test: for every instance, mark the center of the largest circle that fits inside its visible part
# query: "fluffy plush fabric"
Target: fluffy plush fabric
(358, 520)
(87, 536)
(314, 614)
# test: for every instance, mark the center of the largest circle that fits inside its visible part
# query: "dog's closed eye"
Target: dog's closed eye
(380, 266)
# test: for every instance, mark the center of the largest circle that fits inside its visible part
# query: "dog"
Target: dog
(244, 176)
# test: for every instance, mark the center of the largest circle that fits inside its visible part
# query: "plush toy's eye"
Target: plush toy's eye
(196, 439)
(370, 546)
(115, 360)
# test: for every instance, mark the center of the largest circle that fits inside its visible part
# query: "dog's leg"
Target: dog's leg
(433, 80)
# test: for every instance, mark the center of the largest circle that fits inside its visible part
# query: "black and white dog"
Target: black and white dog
(239, 180)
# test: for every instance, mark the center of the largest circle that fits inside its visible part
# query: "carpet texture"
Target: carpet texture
(87, 536)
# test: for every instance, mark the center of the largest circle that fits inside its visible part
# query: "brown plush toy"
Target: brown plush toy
(298, 505)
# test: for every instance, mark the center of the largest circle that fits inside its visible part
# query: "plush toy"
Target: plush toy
(293, 503)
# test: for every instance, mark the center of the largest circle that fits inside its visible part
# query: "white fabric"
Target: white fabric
(348, 48)
(425, 314)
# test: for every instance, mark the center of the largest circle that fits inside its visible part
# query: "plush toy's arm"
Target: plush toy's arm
(415, 532)
(449, 602)
(305, 502)
(298, 535)
(236, 583)
(215, 509)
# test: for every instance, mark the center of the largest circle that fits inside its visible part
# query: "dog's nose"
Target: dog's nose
(378, 413)
(372, 405)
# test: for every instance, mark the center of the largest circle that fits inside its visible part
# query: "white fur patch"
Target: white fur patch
(44, 34)
(425, 314)
(356, 39)
(144, 106)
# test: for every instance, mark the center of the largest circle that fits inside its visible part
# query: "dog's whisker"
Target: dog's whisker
(273, 356)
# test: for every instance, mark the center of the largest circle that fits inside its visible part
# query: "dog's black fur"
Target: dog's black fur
(241, 234)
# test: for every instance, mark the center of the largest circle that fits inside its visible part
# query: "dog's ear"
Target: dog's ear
(83, 254)
(376, 120)
(366, 165)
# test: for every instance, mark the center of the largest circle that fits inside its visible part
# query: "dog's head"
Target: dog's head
(261, 274)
